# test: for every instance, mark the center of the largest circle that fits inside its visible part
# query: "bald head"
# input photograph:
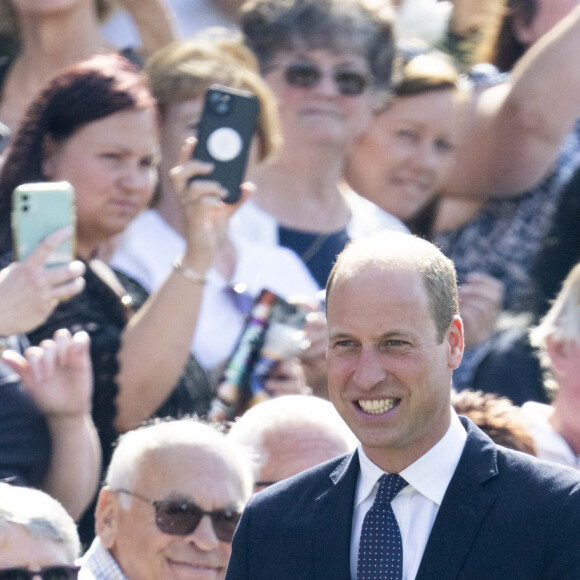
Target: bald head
(290, 434)
(391, 252)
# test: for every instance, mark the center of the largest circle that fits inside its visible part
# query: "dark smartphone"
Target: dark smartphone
(224, 136)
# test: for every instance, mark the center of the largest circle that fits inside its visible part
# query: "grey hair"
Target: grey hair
(133, 448)
(41, 515)
(276, 417)
(274, 26)
(561, 323)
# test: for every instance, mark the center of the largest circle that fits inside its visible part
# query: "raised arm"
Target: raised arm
(156, 343)
(154, 20)
(514, 131)
(57, 375)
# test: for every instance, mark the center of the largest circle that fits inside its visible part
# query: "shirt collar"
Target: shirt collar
(98, 562)
(429, 475)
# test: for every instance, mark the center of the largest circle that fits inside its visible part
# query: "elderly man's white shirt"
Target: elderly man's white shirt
(99, 564)
(417, 505)
(550, 445)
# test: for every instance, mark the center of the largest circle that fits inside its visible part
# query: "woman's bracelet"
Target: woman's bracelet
(188, 273)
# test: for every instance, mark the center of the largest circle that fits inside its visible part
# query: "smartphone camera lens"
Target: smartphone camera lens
(220, 103)
(25, 208)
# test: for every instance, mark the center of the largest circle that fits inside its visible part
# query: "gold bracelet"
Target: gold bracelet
(188, 273)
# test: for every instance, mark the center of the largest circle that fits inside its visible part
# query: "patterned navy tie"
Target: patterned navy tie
(380, 554)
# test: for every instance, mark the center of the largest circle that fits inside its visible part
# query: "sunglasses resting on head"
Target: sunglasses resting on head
(181, 518)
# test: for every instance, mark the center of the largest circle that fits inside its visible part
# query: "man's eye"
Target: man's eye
(395, 343)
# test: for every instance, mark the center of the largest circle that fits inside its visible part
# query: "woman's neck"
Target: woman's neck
(302, 192)
(56, 40)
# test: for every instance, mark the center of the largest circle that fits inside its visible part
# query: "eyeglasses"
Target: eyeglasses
(181, 518)
(49, 573)
(306, 76)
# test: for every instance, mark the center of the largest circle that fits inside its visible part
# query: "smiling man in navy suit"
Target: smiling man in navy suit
(467, 509)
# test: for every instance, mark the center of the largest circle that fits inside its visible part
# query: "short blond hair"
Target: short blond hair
(184, 70)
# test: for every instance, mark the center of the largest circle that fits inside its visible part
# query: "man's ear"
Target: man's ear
(107, 514)
(455, 341)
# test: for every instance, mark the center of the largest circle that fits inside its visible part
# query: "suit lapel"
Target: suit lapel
(463, 509)
(333, 521)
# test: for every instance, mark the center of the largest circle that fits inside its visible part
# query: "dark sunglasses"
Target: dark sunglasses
(49, 573)
(306, 76)
(181, 518)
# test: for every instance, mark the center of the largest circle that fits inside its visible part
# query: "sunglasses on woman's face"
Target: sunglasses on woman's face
(48, 573)
(306, 76)
(180, 518)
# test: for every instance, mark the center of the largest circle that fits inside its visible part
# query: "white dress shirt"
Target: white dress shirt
(550, 445)
(417, 504)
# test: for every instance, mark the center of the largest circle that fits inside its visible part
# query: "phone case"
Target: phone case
(38, 210)
(224, 135)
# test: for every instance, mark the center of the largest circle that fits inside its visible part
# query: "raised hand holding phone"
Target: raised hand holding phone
(38, 210)
(224, 136)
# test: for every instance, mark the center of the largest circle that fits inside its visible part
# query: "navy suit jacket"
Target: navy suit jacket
(504, 516)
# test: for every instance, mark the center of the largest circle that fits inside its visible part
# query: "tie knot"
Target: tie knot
(390, 484)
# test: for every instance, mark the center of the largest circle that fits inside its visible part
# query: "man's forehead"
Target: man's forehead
(355, 271)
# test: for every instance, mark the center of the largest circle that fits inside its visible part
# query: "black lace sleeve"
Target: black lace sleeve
(100, 312)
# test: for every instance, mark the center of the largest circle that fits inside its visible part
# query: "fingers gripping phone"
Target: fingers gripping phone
(38, 210)
(224, 136)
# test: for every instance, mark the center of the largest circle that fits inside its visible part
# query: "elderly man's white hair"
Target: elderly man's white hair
(41, 515)
(268, 422)
(133, 447)
(560, 323)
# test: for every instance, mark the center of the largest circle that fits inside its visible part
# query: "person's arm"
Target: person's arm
(154, 20)
(514, 131)
(156, 343)
(57, 375)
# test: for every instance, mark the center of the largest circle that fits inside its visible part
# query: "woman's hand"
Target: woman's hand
(287, 378)
(57, 374)
(205, 214)
(480, 302)
(29, 291)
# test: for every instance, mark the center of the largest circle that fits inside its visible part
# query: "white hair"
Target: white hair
(277, 417)
(41, 515)
(561, 323)
(133, 447)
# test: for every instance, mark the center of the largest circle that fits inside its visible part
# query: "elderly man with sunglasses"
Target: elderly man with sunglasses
(38, 538)
(174, 493)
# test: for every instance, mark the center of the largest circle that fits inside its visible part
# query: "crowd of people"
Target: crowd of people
(396, 292)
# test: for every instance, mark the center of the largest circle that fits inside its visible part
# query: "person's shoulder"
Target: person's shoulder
(539, 473)
(516, 472)
(304, 486)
